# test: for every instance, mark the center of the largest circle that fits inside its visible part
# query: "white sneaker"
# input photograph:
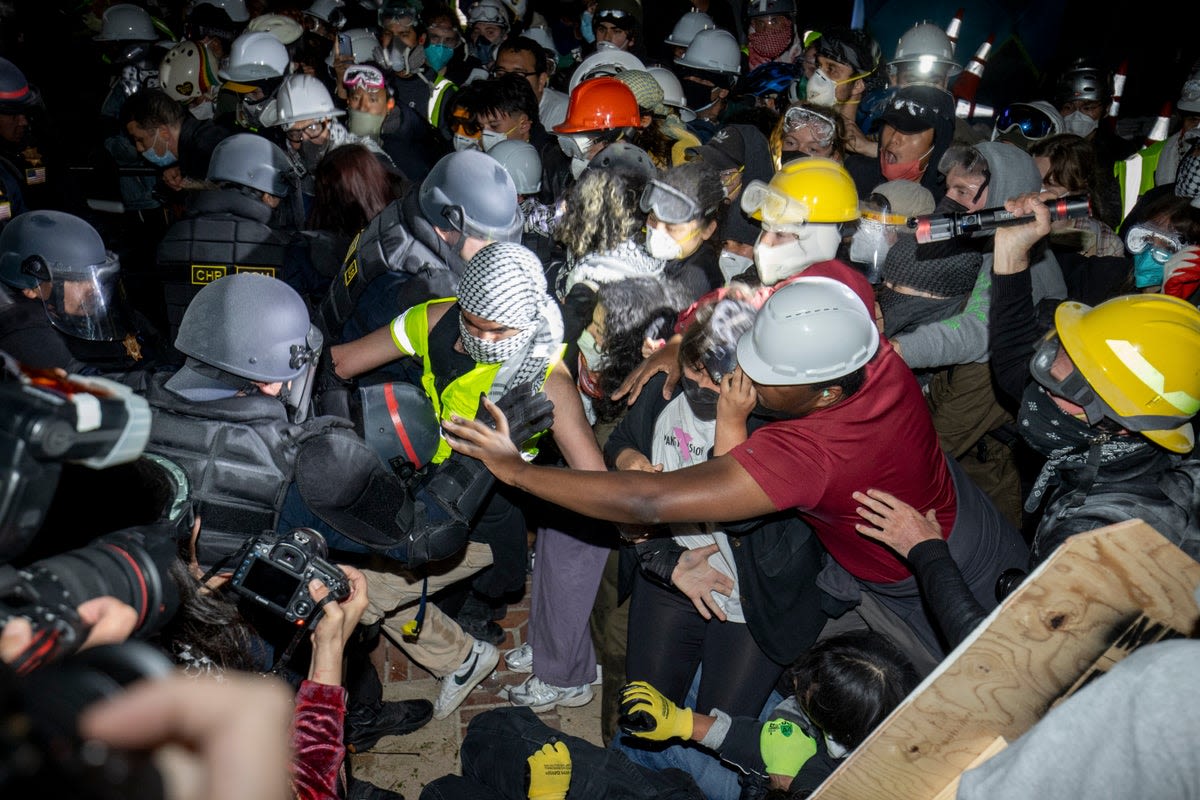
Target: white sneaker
(540, 696)
(457, 685)
(519, 659)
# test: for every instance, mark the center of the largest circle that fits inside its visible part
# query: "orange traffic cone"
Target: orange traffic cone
(967, 83)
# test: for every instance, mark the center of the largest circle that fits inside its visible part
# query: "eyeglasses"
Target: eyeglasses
(822, 126)
(1162, 244)
(498, 71)
(1033, 123)
(310, 131)
(363, 75)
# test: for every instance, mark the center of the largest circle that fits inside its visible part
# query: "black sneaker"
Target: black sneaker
(366, 725)
(485, 630)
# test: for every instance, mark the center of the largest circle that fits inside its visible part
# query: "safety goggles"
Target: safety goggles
(310, 131)
(771, 206)
(1163, 244)
(396, 13)
(1033, 123)
(363, 75)
(821, 126)
(615, 13)
(1054, 370)
(668, 203)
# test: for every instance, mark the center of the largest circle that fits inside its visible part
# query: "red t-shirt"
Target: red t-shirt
(880, 438)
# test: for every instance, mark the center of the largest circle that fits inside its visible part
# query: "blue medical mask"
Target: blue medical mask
(1147, 268)
(438, 55)
(166, 159)
(585, 27)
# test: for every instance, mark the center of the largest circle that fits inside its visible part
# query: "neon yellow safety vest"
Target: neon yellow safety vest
(1135, 175)
(410, 333)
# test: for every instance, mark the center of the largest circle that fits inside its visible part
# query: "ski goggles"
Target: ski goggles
(1033, 123)
(668, 203)
(1163, 244)
(822, 127)
(364, 76)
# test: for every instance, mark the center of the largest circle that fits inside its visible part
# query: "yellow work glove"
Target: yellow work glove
(785, 748)
(550, 772)
(645, 713)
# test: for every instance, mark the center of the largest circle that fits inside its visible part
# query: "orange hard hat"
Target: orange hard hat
(600, 104)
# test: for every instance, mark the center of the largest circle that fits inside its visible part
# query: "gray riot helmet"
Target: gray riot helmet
(400, 425)
(248, 159)
(471, 193)
(252, 326)
(924, 54)
(83, 297)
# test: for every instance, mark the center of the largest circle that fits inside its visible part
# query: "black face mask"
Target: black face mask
(949, 206)
(904, 312)
(702, 400)
(1051, 431)
(697, 95)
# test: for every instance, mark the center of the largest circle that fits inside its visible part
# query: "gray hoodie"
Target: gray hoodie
(963, 339)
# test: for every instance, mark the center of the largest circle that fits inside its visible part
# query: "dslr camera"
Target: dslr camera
(274, 571)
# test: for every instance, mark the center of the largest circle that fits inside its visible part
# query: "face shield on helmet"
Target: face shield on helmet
(876, 233)
(82, 301)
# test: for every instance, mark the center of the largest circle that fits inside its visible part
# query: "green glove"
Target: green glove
(645, 713)
(550, 772)
(784, 747)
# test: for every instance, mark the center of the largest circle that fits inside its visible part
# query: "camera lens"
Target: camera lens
(132, 565)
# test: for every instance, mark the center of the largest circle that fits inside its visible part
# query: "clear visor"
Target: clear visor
(822, 127)
(1163, 243)
(85, 302)
(880, 213)
(762, 202)
(668, 203)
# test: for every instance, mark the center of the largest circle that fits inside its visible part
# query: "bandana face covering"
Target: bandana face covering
(769, 45)
(492, 351)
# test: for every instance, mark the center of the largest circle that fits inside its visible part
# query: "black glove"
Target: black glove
(528, 412)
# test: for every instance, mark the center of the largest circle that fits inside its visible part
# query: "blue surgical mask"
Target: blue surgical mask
(1147, 269)
(166, 159)
(585, 27)
(438, 55)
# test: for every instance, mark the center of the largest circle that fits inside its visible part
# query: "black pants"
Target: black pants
(668, 639)
(499, 741)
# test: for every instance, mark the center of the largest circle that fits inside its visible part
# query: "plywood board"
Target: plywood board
(1074, 615)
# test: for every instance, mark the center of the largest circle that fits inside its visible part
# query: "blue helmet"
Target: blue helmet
(774, 77)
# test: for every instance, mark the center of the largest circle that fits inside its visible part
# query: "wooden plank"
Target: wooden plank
(951, 789)
(1077, 612)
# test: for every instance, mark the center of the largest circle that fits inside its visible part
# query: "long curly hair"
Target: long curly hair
(635, 309)
(601, 211)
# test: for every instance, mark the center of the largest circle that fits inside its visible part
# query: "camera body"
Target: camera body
(274, 572)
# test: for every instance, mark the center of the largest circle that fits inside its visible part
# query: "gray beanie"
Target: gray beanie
(942, 269)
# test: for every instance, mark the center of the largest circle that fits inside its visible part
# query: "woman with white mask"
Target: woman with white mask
(683, 206)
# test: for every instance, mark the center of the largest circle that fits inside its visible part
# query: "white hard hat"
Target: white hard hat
(126, 22)
(715, 51)
(672, 92)
(688, 26)
(281, 26)
(298, 98)
(256, 56)
(491, 12)
(522, 162)
(812, 330)
(607, 61)
(187, 71)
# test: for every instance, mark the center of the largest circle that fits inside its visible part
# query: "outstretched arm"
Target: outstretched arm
(717, 490)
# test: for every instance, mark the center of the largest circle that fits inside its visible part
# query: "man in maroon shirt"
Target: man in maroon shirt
(848, 414)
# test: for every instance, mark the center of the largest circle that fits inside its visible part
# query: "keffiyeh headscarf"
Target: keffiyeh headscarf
(504, 283)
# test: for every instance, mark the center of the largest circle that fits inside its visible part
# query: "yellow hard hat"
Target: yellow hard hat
(804, 190)
(1139, 353)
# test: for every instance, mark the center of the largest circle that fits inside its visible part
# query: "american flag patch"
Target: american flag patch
(35, 175)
